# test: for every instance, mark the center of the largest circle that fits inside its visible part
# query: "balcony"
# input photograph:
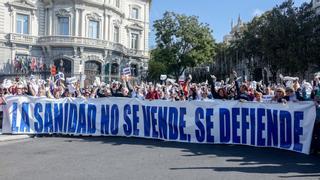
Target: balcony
(134, 52)
(79, 41)
(72, 41)
(22, 39)
(88, 42)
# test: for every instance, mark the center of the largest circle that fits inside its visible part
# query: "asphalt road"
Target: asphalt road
(131, 158)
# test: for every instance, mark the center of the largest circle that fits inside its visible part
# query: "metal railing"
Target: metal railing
(75, 41)
(89, 42)
(23, 39)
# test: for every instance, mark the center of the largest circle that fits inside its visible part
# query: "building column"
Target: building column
(83, 24)
(109, 28)
(104, 29)
(81, 52)
(76, 22)
(30, 24)
(128, 39)
(13, 56)
(50, 22)
(80, 23)
(46, 21)
(13, 20)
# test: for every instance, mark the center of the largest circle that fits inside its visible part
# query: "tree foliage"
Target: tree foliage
(156, 68)
(286, 39)
(182, 42)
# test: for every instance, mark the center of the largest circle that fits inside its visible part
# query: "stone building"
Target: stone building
(80, 37)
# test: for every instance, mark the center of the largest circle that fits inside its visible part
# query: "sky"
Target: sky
(218, 14)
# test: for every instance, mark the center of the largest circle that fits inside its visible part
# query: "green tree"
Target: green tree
(156, 65)
(182, 42)
(308, 37)
(285, 39)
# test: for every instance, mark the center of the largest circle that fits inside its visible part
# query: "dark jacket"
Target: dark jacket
(241, 96)
(214, 93)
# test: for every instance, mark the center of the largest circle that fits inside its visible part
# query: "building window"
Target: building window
(116, 35)
(114, 69)
(134, 41)
(135, 13)
(93, 29)
(117, 3)
(22, 24)
(134, 70)
(63, 23)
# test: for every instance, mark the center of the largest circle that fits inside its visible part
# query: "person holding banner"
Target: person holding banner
(152, 93)
(279, 96)
(104, 92)
(221, 93)
(138, 93)
(242, 90)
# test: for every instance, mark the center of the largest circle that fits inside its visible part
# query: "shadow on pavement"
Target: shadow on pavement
(247, 159)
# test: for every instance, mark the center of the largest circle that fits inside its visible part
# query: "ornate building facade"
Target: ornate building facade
(80, 37)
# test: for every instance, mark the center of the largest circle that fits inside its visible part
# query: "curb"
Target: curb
(4, 138)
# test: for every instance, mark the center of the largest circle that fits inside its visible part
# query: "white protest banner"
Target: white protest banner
(285, 126)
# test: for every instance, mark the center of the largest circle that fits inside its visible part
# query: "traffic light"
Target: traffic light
(53, 70)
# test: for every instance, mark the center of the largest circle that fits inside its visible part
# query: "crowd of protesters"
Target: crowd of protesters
(290, 89)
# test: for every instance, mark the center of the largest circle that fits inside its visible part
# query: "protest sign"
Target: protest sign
(126, 71)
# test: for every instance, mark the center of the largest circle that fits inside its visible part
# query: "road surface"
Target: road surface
(133, 158)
